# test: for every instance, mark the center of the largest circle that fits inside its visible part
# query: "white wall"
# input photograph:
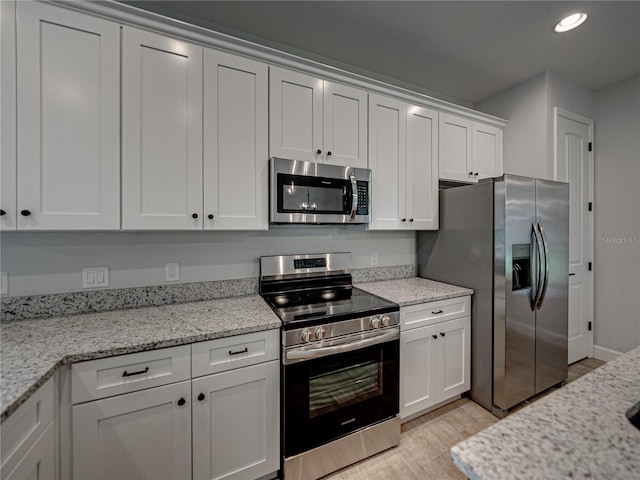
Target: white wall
(44, 263)
(617, 216)
(528, 106)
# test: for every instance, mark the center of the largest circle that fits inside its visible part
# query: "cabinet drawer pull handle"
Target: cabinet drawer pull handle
(438, 312)
(127, 374)
(435, 337)
(244, 350)
(201, 397)
(25, 213)
(442, 334)
(182, 401)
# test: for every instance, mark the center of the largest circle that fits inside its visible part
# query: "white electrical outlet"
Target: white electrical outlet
(95, 277)
(172, 272)
(374, 258)
(4, 283)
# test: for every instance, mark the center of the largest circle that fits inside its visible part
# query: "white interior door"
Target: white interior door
(574, 164)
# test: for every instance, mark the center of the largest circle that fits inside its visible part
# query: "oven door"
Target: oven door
(334, 395)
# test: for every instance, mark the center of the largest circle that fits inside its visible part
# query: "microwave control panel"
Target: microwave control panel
(363, 198)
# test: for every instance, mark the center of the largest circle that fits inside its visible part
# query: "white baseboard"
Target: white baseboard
(605, 354)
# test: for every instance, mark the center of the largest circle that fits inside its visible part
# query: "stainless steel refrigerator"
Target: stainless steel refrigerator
(508, 239)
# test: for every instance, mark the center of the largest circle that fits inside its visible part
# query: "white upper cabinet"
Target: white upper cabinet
(469, 150)
(316, 120)
(387, 161)
(68, 122)
(487, 151)
(422, 169)
(403, 157)
(8, 116)
(236, 152)
(161, 132)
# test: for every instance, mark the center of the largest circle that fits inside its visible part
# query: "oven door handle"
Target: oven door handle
(348, 347)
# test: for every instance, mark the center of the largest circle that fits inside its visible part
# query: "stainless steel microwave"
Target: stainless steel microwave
(317, 193)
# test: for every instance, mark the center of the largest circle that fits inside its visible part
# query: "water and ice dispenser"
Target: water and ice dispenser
(521, 264)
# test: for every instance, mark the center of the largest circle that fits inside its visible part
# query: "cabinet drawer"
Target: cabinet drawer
(233, 352)
(415, 316)
(21, 430)
(128, 373)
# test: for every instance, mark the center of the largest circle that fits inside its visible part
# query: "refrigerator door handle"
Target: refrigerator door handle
(545, 246)
(537, 241)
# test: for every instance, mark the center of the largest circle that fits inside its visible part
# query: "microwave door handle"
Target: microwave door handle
(545, 247)
(354, 197)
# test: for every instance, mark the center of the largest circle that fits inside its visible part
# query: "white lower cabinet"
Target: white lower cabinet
(142, 435)
(235, 423)
(28, 439)
(222, 425)
(434, 354)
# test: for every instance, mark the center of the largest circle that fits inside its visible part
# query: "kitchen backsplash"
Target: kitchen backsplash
(43, 306)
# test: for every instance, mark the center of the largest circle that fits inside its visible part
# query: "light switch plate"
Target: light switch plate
(95, 277)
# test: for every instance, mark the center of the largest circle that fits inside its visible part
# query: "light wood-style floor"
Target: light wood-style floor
(423, 452)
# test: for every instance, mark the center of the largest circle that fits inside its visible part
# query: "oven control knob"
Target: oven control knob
(386, 320)
(307, 335)
(321, 333)
(375, 322)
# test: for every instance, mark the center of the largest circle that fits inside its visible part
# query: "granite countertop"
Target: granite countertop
(412, 291)
(33, 349)
(578, 431)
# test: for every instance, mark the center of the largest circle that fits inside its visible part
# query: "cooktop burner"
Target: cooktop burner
(298, 309)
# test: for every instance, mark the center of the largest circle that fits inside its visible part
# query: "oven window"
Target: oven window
(330, 391)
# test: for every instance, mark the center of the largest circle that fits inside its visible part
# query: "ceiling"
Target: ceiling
(464, 51)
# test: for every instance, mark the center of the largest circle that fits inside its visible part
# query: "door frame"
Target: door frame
(557, 113)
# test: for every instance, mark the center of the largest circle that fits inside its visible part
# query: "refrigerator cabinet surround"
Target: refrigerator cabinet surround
(508, 239)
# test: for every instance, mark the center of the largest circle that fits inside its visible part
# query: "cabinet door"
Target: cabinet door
(418, 358)
(39, 462)
(487, 151)
(236, 424)
(161, 132)
(141, 435)
(345, 125)
(8, 116)
(68, 96)
(387, 160)
(236, 151)
(295, 115)
(455, 148)
(422, 168)
(454, 343)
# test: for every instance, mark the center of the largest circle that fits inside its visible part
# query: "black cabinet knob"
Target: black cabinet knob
(201, 397)
(411, 219)
(403, 220)
(470, 173)
(195, 215)
(319, 151)
(442, 334)
(182, 401)
(210, 216)
(434, 336)
(25, 213)
(476, 174)
(2, 212)
(328, 154)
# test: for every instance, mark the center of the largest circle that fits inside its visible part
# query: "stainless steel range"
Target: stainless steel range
(340, 364)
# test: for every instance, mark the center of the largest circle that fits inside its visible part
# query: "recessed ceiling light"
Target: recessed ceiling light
(570, 22)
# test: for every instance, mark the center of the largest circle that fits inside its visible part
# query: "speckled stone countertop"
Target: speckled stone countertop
(33, 349)
(578, 431)
(411, 291)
